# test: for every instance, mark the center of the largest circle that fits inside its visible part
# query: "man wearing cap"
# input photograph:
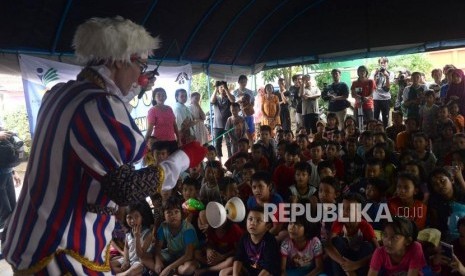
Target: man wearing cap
(81, 164)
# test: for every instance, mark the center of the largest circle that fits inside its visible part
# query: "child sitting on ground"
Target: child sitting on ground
(375, 194)
(259, 158)
(408, 200)
(302, 252)
(283, 173)
(262, 193)
(180, 240)
(400, 254)
(220, 249)
(245, 187)
(139, 220)
(351, 243)
(258, 251)
(210, 189)
(302, 189)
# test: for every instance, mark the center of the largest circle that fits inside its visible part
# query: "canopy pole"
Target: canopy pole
(209, 103)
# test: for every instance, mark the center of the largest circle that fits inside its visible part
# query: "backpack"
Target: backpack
(11, 152)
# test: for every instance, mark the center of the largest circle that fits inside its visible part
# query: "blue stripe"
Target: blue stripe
(66, 97)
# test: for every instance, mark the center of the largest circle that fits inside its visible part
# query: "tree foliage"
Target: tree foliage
(273, 75)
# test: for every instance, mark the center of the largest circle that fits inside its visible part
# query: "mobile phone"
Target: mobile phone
(447, 249)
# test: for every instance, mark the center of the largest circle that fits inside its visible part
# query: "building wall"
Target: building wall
(452, 56)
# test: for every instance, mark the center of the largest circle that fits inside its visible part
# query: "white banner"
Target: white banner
(39, 75)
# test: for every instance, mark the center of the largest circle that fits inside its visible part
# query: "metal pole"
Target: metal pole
(209, 97)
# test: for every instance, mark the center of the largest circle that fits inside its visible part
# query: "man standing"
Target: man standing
(239, 92)
(337, 94)
(310, 109)
(382, 95)
(9, 179)
(296, 103)
(221, 101)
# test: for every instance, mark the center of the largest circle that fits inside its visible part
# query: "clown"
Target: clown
(81, 166)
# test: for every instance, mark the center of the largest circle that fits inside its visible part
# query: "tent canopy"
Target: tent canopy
(244, 36)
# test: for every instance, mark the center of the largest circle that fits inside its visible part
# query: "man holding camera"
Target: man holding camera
(221, 101)
(242, 90)
(382, 95)
(9, 179)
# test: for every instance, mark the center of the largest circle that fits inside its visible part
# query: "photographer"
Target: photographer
(362, 91)
(221, 101)
(382, 95)
(9, 179)
(402, 80)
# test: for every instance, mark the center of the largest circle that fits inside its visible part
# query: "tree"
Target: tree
(199, 84)
(272, 75)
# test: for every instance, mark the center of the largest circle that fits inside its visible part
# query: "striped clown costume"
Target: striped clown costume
(79, 172)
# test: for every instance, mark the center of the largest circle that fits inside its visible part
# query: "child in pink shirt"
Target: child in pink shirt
(400, 253)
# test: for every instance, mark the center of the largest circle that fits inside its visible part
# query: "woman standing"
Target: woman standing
(456, 91)
(184, 119)
(270, 108)
(161, 122)
(284, 96)
(200, 131)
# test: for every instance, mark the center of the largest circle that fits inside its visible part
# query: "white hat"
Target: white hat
(112, 39)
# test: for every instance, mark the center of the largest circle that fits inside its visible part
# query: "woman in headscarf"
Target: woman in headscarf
(456, 91)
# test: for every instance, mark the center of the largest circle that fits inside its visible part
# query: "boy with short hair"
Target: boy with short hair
(239, 126)
(262, 194)
(320, 131)
(258, 157)
(352, 243)
(247, 112)
(283, 173)
(372, 169)
(268, 143)
(301, 190)
(426, 158)
(404, 139)
(162, 150)
(245, 187)
(243, 146)
(353, 163)
(366, 143)
(302, 141)
(332, 155)
(258, 251)
(428, 113)
(211, 153)
(240, 160)
(316, 154)
(228, 188)
(397, 125)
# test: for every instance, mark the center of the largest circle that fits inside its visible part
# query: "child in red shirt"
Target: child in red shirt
(352, 243)
(284, 173)
(405, 203)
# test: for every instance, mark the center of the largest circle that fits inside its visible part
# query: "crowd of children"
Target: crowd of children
(413, 169)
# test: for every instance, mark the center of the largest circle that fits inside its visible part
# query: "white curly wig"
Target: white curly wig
(112, 39)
